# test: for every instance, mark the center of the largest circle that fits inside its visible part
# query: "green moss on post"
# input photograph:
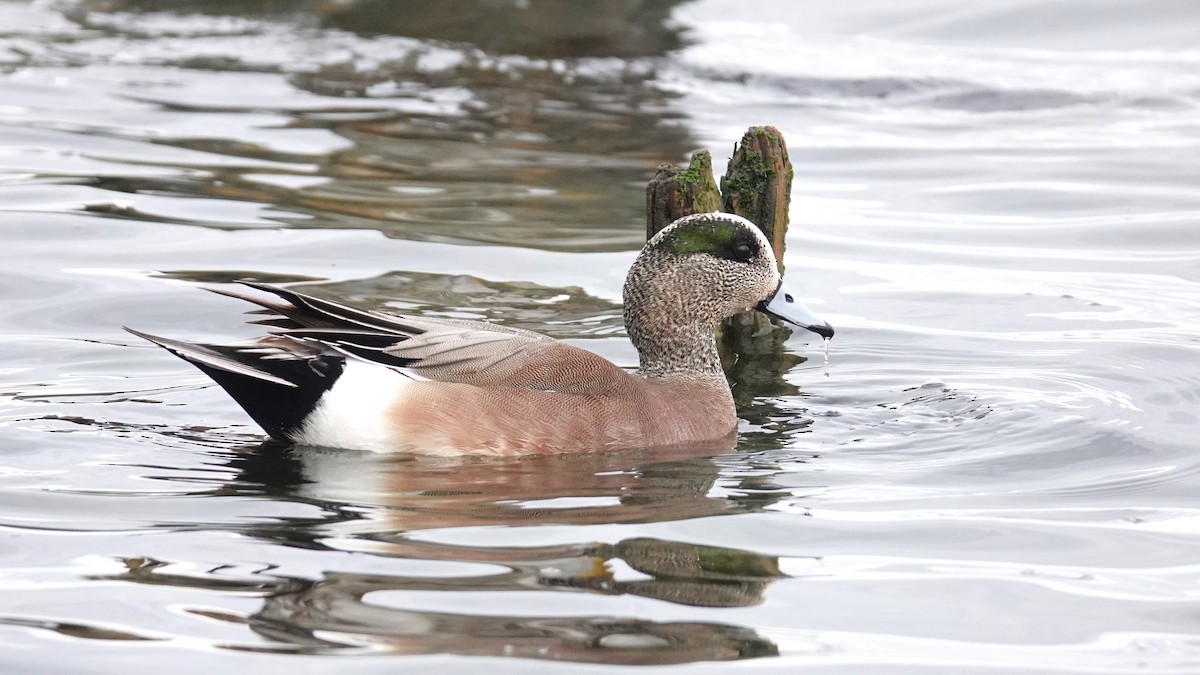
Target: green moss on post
(674, 192)
(758, 187)
(758, 184)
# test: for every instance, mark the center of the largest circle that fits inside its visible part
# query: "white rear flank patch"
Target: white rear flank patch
(354, 413)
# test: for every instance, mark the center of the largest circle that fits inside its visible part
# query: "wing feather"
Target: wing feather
(432, 348)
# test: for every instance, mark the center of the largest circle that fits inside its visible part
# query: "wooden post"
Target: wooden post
(758, 187)
(674, 192)
(758, 184)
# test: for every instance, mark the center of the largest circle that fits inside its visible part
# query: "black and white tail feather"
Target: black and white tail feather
(286, 379)
(280, 379)
(277, 380)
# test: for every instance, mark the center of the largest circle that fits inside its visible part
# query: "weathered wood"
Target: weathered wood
(758, 187)
(674, 192)
(758, 184)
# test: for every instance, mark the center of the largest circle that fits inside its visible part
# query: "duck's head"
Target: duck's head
(700, 270)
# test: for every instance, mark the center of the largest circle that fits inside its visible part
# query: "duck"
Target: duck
(328, 374)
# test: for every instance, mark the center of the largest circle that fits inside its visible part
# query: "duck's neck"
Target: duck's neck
(676, 350)
(674, 335)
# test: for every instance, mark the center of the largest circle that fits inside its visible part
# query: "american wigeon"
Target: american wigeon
(332, 375)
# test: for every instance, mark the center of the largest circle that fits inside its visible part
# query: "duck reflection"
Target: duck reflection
(339, 612)
(394, 495)
(349, 611)
(397, 509)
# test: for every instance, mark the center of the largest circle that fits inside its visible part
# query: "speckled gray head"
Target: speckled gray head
(690, 276)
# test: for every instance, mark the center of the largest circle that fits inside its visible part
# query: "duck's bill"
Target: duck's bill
(783, 305)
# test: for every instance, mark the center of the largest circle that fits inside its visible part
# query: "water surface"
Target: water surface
(994, 471)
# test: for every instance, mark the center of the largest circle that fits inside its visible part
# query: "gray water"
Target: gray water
(994, 470)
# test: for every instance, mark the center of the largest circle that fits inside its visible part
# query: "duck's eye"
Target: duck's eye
(743, 252)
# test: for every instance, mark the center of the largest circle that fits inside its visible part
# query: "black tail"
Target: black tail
(277, 380)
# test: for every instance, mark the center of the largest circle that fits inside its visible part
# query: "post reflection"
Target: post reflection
(338, 612)
(488, 597)
(352, 612)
